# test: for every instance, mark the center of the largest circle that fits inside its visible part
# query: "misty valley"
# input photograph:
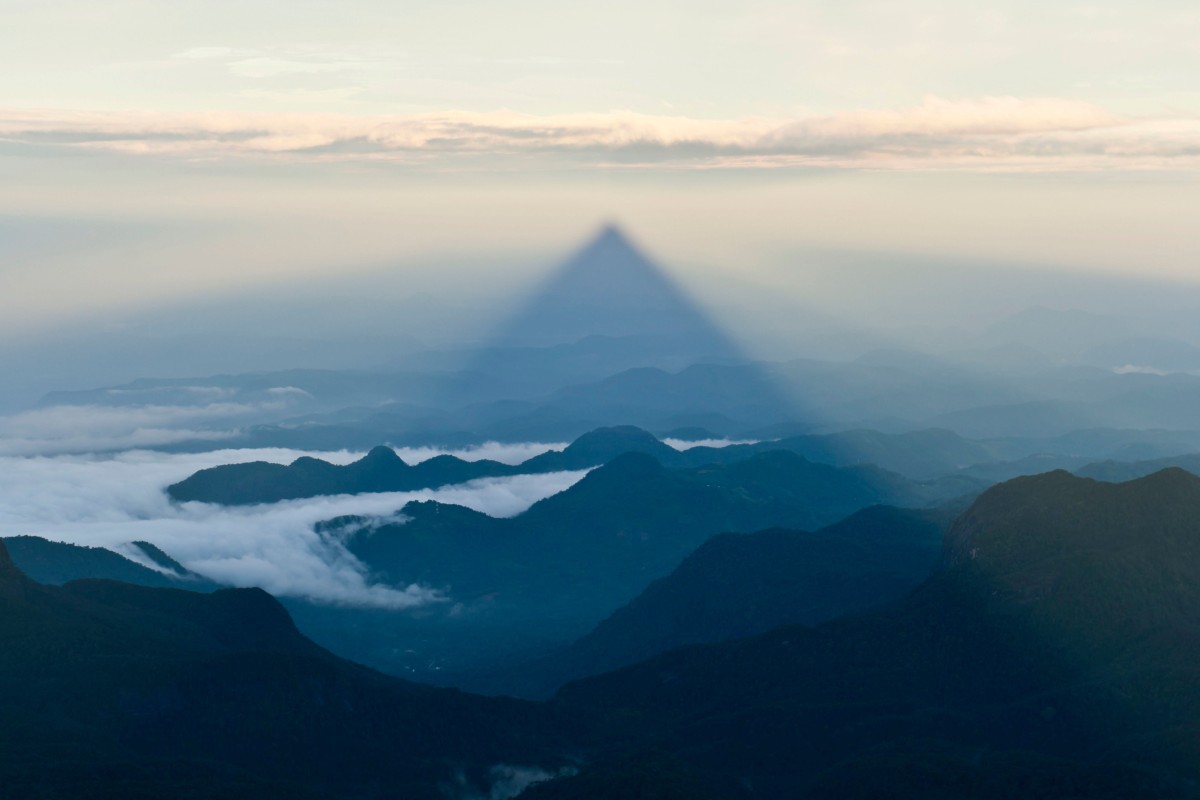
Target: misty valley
(607, 549)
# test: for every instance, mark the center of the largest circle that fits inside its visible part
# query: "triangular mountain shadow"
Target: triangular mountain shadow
(609, 313)
(609, 288)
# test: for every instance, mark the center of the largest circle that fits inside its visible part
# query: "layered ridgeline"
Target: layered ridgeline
(521, 586)
(609, 339)
(381, 470)
(1115, 471)
(923, 456)
(606, 309)
(1055, 653)
(1033, 412)
(109, 689)
(59, 562)
(738, 585)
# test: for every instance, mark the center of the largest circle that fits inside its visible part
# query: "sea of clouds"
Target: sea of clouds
(83, 474)
(111, 499)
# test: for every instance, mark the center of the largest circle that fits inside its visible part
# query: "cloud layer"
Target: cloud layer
(82, 428)
(110, 500)
(990, 133)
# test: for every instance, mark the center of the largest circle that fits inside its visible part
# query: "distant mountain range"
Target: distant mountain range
(58, 563)
(928, 454)
(609, 339)
(892, 391)
(521, 586)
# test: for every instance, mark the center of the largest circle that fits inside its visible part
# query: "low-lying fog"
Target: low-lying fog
(112, 499)
(109, 500)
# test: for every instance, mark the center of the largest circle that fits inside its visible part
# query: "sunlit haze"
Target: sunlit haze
(159, 153)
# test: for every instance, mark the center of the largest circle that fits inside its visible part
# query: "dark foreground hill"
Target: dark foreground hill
(113, 690)
(1056, 653)
(739, 585)
(57, 563)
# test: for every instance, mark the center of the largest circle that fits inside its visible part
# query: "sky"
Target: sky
(158, 151)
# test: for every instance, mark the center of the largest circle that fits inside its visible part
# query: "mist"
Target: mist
(111, 500)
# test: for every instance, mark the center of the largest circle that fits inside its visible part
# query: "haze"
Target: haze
(177, 158)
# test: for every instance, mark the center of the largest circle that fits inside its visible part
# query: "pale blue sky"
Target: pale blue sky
(206, 147)
(705, 59)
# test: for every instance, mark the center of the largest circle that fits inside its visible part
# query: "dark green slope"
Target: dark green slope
(380, 470)
(739, 585)
(606, 537)
(58, 562)
(1056, 653)
(520, 587)
(113, 690)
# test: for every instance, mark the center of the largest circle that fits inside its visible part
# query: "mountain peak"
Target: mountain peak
(1051, 518)
(13, 583)
(381, 456)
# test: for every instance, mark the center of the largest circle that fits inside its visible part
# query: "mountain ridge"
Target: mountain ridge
(1052, 655)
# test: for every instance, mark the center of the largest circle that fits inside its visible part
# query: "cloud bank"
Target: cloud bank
(109, 500)
(83, 428)
(504, 452)
(688, 444)
(990, 133)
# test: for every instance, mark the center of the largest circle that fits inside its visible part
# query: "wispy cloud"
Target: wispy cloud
(992, 133)
(73, 429)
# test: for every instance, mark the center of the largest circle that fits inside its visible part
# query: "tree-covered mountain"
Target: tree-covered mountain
(738, 585)
(58, 562)
(926, 454)
(521, 586)
(109, 689)
(1054, 654)
(621, 526)
(380, 470)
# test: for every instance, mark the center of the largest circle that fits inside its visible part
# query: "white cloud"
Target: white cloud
(110, 500)
(78, 428)
(504, 452)
(687, 444)
(990, 133)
